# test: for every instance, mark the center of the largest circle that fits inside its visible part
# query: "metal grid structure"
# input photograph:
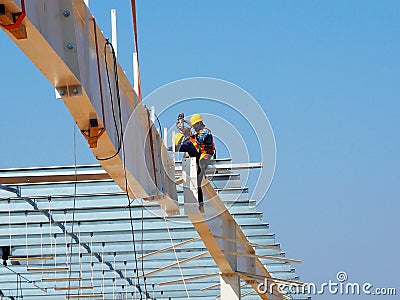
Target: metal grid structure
(93, 257)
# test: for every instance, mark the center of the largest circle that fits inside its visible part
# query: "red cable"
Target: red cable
(99, 76)
(19, 19)
(135, 35)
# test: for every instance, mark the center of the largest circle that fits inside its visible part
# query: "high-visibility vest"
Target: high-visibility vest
(207, 148)
(193, 140)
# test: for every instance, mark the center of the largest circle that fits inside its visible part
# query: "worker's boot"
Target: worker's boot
(200, 197)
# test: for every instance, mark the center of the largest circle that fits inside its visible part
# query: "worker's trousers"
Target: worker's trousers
(203, 164)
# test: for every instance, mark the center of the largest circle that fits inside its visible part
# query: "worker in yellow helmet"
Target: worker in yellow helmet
(187, 144)
(185, 141)
(207, 147)
(204, 136)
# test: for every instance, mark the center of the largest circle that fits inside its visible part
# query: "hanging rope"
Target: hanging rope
(152, 150)
(73, 215)
(80, 256)
(102, 269)
(111, 97)
(17, 296)
(117, 115)
(142, 238)
(50, 226)
(91, 262)
(120, 138)
(18, 287)
(55, 256)
(136, 275)
(26, 238)
(41, 244)
(65, 238)
(92, 276)
(9, 224)
(126, 292)
(176, 257)
(99, 74)
(113, 296)
(115, 274)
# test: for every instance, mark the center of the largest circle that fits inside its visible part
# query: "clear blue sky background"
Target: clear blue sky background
(325, 72)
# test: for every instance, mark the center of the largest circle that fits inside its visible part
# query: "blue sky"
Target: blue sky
(326, 74)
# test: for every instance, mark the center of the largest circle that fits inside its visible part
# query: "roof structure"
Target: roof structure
(68, 232)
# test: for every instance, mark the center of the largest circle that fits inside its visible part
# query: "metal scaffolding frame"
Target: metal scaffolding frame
(104, 229)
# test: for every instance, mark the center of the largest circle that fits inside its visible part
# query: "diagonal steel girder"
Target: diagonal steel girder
(216, 222)
(65, 43)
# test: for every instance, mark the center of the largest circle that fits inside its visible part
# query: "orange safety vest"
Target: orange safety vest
(194, 142)
(207, 148)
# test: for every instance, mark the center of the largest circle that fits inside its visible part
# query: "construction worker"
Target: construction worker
(207, 147)
(187, 144)
(185, 141)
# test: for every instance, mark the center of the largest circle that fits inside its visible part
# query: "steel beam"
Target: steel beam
(216, 221)
(81, 175)
(230, 286)
(68, 47)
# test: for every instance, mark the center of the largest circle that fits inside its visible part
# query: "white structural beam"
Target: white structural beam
(165, 136)
(227, 167)
(67, 46)
(135, 73)
(215, 222)
(114, 38)
(190, 192)
(230, 286)
(33, 176)
(173, 136)
(153, 114)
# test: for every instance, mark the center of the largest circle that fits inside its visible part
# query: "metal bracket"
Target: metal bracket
(169, 206)
(16, 190)
(69, 91)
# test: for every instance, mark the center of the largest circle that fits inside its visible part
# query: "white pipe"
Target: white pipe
(135, 73)
(114, 30)
(153, 114)
(173, 146)
(173, 141)
(166, 137)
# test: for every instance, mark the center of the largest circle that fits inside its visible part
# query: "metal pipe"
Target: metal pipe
(114, 30)
(135, 73)
(166, 137)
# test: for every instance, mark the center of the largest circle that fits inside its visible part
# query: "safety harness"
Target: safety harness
(193, 140)
(207, 148)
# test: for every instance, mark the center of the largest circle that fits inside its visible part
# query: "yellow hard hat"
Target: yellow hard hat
(196, 118)
(178, 137)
